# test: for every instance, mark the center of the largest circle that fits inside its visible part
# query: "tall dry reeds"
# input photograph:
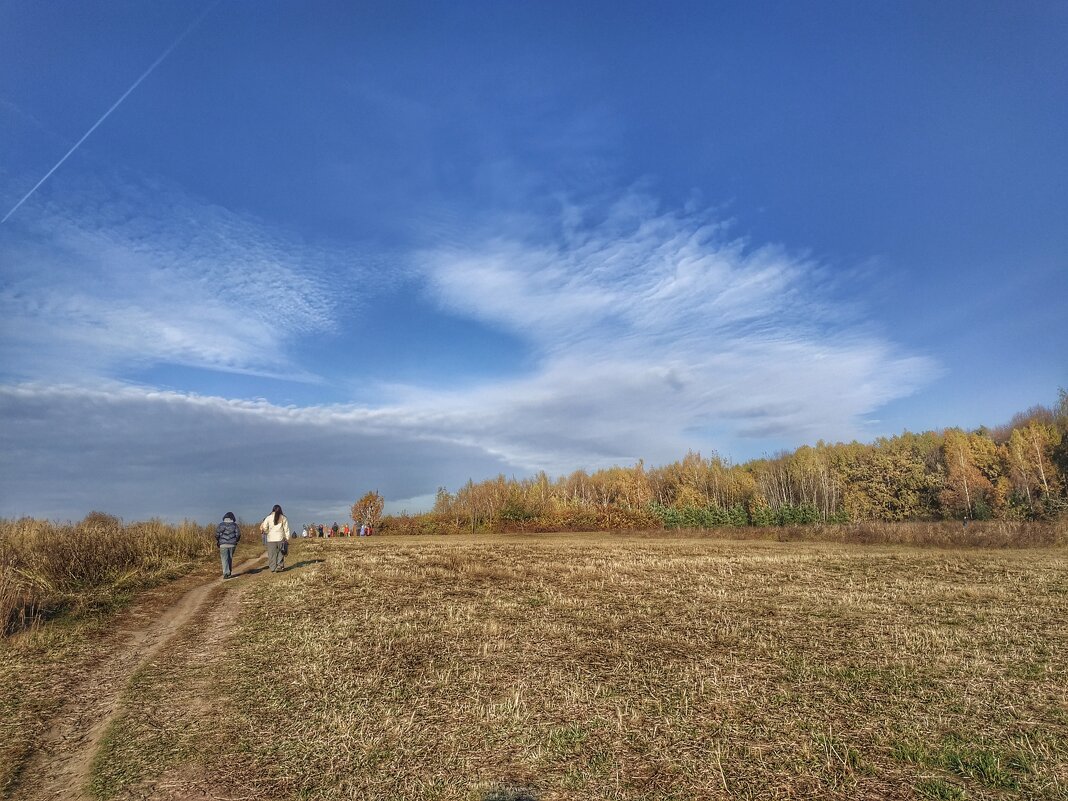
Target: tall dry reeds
(47, 568)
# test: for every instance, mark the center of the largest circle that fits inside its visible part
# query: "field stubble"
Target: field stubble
(635, 668)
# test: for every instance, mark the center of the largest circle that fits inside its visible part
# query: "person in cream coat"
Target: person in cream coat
(276, 534)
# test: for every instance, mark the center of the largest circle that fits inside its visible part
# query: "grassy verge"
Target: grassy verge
(938, 534)
(921, 533)
(630, 668)
(49, 569)
(983, 534)
(63, 594)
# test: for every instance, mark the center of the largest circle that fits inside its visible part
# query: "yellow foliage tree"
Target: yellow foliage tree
(967, 489)
(368, 510)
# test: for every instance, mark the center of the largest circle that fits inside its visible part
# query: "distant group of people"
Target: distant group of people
(318, 530)
(276, 534)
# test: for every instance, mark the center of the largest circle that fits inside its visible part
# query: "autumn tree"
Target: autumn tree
(967, 489)
(1029, 453)
(368, 510)
(1059, 454)
(1015, 470)
(479, 503)
(895, 478)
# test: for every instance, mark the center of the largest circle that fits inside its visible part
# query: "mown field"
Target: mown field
(602, 666)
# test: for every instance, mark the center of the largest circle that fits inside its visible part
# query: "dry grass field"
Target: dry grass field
(76, 569)
(600, 666)
(560, 667)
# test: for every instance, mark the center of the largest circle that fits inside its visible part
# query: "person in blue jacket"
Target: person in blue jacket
(226, 535)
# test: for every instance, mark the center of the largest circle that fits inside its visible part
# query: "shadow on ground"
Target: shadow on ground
(252, 571)
(304, 563)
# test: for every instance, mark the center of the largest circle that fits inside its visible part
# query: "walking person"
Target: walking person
(227, 535)
(275, 528)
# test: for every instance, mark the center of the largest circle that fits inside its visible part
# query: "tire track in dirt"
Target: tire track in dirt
(61, 767)
(190, 704)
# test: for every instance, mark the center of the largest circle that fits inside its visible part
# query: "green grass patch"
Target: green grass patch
(940, 790)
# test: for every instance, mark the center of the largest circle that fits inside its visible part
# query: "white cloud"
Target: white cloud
(147, 276)
(652, 328)
(652, 332)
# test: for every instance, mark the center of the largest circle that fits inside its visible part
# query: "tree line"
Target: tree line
(1018, 471)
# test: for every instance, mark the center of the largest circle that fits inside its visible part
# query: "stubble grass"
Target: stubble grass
(636, 668)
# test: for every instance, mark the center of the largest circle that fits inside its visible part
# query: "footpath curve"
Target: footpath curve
(60, 768)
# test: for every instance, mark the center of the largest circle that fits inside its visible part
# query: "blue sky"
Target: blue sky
(322, 248)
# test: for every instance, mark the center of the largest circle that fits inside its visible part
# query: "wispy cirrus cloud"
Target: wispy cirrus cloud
(140, 273)
(637, 270)
(658, 332)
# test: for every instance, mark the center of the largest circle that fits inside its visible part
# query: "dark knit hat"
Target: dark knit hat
(229, 516)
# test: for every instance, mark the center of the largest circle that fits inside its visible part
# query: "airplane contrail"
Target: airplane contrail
(115, 105)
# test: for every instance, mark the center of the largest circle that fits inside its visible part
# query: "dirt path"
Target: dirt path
(61, 767)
